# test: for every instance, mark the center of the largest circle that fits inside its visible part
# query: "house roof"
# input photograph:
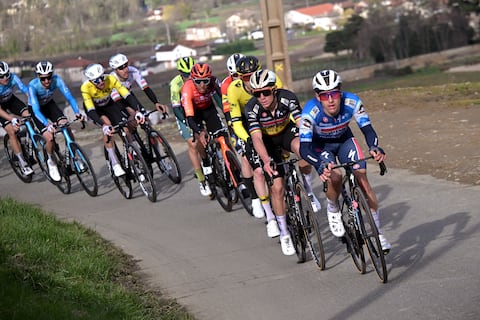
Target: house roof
(317, 10)
(74, 63)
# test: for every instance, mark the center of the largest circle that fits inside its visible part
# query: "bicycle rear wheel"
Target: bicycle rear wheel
(123, 183)
(236, 174)
(222, 188)
(142, 174)
(84, 170)
(165, 157)
(370, 235)
(311, 226)
(14, 161)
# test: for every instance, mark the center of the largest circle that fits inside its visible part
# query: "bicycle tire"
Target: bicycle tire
(141, 172)
(123, 183)
(87, 176)
(311, 226)
(369, 232)
(167, 161)
(223, 189)
(236, 175)
(353, 238)
(296, 230)
(65, 184)
(13, 160)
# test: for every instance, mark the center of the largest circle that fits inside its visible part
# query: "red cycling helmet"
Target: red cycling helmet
(201, 70)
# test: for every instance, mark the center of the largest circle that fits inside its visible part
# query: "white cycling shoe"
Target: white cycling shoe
(53, 171)
(272, 229)
(335, 223)
(287, 246)
(118, 170)
(257, 209)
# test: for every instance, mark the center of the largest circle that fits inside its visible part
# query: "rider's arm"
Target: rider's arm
(187, 103)
(19, 83)
(126, 94)
(307, 126)
(88, 103)
(67, 94)
(33, 101)
(236, 113)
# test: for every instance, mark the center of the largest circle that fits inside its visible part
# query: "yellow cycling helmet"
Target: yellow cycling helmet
(185, 64)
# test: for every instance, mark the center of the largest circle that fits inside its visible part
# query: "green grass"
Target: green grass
(51, 269)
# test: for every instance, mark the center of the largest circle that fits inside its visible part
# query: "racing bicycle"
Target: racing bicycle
(360, 227)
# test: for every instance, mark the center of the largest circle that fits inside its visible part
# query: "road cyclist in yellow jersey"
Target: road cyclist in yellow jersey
(103, 110)
(238, 96)
(184, 66)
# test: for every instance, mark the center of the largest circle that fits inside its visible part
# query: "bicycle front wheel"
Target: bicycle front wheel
(369, 231)
(14, 161)
(311, 226)
(142, 174)
(123, 183)
(165, 157)
(65, 184)
(222, 185)
(84, 170)
(236, 177)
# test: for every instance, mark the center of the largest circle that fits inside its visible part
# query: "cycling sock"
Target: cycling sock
(307, 182)
(282, 225)
(249, 184)
(20, 158)
(332, 206)
(111, 156)
(267, 207)
(376, 218)
(199, 175)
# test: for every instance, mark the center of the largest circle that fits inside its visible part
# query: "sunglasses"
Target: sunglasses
(200, 81)
(98, 80)
(5, 76)
(265, 92)
(43, 79)
(327, 95)
(123, 66)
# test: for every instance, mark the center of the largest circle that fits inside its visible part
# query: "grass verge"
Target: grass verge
(51, 269)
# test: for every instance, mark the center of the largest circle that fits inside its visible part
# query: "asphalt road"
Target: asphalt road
(222, 265)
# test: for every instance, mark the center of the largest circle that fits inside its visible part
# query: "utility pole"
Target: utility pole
(275, 40)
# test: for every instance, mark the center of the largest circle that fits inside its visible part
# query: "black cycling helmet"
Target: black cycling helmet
(247, 64)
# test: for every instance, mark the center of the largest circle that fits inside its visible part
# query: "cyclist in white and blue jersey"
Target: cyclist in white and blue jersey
(45, 110)
(11, 108)
(325, 135)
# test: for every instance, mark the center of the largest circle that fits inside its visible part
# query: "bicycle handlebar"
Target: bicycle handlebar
(349, 164)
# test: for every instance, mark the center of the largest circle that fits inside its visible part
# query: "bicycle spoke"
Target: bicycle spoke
(142, 173)
(165, 157)
(84, 170)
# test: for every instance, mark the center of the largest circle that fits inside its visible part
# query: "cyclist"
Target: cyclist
(10, 102)
(269, 117)
(45, 109)
(200, 99)
(238, 94)
(184, 66)
(326, 136)
(128, 75)
(103, 110)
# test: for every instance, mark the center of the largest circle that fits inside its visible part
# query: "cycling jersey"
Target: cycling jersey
(134, 76)
(176, 91)
(224, 89)
(273, 124)
(94, 97)
(39, 96)
(6, 91)
(238, 98)
(318, 129)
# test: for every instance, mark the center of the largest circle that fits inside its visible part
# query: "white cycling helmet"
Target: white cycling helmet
(117, 60)
(326, 80)
(232, 62)
(4, 70)
(44, 68)
(94, 71)
(263, 78)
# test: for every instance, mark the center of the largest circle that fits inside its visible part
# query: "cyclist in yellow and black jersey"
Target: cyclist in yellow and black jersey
(100, 107)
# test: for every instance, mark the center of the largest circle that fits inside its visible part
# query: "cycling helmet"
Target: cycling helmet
(4, 70)
(247, 64)
(201, 70)
(44, 68)
(262, 78)
(232, 62)
(326, 80)
(185, 64)
(94, 71)
(117, 60)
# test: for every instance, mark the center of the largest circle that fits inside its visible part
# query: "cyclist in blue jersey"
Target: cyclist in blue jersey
(325, 136)
(45, 110)
(10, 102)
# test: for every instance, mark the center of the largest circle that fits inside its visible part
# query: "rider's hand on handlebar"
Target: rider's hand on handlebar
(378, 154)
(15, 122)
(325, 171)
(203, 138)
(80, 117)
(51, 128)
(269, 168)
(139, 117)
(107, 130)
